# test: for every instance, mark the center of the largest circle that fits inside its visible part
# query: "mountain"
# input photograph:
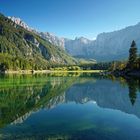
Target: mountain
(77, 47)
(21, 23)
(57, 41)
(22, 48)
(106, 47)
(53, 39)
(115, 45)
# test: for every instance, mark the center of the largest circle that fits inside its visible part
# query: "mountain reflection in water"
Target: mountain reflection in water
(23, 96)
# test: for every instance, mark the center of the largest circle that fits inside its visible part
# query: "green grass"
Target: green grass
(79, 71)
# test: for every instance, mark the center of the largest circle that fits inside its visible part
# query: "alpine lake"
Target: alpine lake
(72, 106)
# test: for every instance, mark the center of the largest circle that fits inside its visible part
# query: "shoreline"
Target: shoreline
(25, 72)
(125, 74)
(49, 71)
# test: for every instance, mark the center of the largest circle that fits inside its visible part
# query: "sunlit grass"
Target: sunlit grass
(78, 71)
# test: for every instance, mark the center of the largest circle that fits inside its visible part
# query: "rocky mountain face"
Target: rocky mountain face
(53, 39)
(115, 45)
(18, 21)
(21, 23)
(21, 42)
(107, 46)
(78, 46)
(57, 41)
(75, 47)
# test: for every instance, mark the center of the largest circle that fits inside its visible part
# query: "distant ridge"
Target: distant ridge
(106, 47)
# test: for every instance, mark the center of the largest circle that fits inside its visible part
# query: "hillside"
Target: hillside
(23, 49)
(107, 46)
(53, 39)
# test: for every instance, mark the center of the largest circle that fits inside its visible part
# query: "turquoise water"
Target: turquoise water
(69, 107)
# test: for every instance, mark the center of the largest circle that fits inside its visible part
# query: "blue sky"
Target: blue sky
(71, 18)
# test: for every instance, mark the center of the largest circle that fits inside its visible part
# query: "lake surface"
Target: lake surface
(73, 106)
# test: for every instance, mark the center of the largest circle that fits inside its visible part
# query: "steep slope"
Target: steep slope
(21, 23)
(53, 39)
(77, 47)
(57, 41)
(115, 45)
(107, 46)
(23, 46)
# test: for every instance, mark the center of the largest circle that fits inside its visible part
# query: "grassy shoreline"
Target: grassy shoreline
(50, 71)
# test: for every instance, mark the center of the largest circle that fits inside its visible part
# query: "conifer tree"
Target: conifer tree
(132, 55)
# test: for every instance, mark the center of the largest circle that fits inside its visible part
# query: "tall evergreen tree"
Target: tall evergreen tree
(132, 55)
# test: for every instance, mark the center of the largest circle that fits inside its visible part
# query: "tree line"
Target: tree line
(133, 63)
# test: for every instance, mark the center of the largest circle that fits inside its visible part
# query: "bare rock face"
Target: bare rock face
(60, 42)
(44, 51)
(30, 38)
(107, 46)
(18, 21)
(57, 41)
(78, 46)
(115, 45)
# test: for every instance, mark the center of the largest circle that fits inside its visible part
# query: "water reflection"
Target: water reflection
(21, 96)
(133, 85)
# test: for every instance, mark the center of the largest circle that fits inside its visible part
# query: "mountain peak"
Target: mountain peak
(20, 22)
(82, 39)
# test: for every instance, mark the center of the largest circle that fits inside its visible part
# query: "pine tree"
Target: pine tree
(132, 55)
(139, 62)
